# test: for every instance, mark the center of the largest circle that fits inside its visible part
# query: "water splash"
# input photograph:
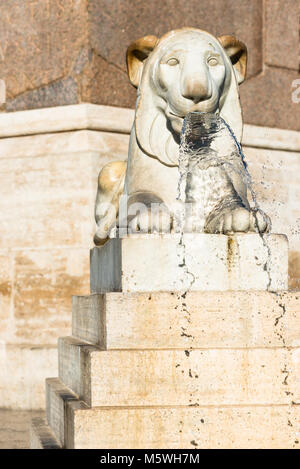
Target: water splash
(211, 161)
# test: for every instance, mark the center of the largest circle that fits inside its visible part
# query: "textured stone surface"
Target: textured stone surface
(196, 319)
(59, 93)
(107, 84)
(267, 99)
(6, 286)
(43, 46)
(43, 286)
(23, 373)
(281, 33)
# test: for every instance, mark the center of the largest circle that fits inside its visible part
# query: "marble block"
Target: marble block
(200, 262)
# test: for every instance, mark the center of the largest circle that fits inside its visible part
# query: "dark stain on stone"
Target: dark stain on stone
(231, 254)
(183, 334)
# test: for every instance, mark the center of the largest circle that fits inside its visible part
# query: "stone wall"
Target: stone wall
(47, 195)
(55, 52)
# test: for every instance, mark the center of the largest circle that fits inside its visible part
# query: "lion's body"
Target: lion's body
(186, 70)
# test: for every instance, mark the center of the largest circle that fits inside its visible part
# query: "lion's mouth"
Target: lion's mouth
(176, 119)
(182, 117)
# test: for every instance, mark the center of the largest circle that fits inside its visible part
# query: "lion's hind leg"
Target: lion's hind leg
(110, 187)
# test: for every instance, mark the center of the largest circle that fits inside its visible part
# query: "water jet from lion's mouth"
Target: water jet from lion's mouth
(207, 141)
(209, 155)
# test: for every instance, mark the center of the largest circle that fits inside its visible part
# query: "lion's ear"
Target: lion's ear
(137, 52)
(237, 52)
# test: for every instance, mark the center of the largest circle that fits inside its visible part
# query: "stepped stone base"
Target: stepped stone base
(177, 370)
(197, 262)
(170, 427)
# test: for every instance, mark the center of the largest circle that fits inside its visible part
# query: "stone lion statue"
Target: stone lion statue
(186, 70)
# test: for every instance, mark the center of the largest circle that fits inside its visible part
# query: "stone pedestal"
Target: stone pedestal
(197, 262)
(183, 367)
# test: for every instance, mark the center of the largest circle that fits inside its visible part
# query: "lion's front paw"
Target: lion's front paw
(151, 220)
(239, 220)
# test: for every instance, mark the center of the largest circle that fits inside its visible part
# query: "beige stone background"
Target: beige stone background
(62, 52)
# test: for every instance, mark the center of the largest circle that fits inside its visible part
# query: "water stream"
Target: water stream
(213, 177)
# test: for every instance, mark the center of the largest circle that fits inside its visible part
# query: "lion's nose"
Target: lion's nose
(196, 88)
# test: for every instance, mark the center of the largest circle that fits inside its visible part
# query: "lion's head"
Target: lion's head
(185, 70)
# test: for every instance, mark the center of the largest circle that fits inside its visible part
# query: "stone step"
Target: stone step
(198, 262)
(184, 427)
(256, 376)
(175, 427)
(57, 397)
(41, 436)
(197, 319)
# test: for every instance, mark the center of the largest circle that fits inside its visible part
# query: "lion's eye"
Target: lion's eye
(212, 61)
(172, 61)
